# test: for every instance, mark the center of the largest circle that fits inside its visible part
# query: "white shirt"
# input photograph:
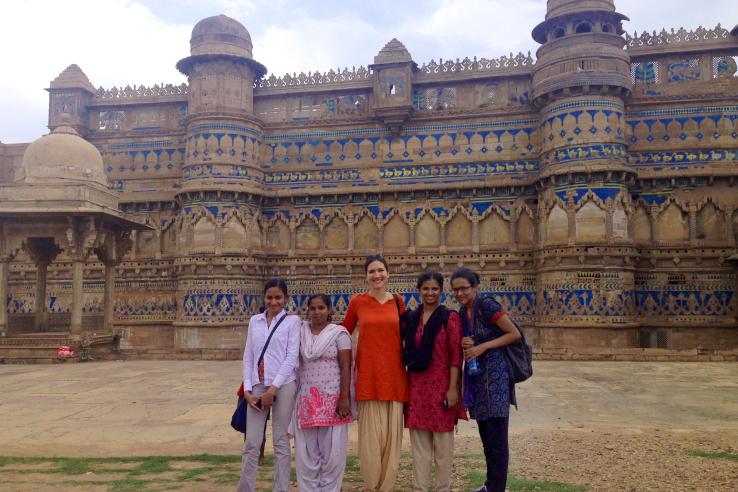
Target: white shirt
(280, 358)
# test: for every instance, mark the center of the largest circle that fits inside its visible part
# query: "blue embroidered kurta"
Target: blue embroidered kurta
(492, 391)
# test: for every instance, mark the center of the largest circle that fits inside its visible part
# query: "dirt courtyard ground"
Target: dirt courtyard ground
(604, 425)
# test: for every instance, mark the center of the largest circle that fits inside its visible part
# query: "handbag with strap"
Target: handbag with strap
(238, 420)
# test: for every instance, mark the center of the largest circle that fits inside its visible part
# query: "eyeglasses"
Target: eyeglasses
(457, 290)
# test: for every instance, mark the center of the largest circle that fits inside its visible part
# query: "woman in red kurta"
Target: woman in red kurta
(433, 357)
(381, 380)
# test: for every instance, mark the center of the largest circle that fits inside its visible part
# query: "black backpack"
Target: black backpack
(519, 354)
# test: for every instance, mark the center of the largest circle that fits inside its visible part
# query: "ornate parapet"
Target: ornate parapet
(680, 40)
(338, 78)
(474, 68)
(137, 93)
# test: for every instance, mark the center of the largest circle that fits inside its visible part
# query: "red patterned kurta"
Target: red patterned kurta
(428, 388)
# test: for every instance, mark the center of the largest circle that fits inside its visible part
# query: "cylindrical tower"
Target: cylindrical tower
(585, 270)
(221, 187)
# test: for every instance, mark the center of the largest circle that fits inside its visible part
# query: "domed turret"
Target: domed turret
(220, 35)
(62, 155)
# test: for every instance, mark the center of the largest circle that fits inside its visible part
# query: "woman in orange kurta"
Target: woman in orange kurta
(381, 380)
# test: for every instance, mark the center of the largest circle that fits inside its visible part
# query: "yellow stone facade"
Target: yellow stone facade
(593, 186)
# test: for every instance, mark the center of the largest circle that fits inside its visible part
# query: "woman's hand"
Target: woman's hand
(452, 397)
(267, 398)
(467, 342)
(474, 351)
(251, 400)
(344, 407)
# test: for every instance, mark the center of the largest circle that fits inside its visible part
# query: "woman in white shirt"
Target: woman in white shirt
(269, 383)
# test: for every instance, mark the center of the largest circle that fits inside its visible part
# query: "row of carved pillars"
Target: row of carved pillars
(43, 252)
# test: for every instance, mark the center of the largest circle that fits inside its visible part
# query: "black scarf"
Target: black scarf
(418, 358)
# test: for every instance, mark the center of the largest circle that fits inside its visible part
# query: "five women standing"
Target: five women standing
(429, 343)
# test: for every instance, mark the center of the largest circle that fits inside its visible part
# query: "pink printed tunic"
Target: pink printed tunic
(320, 387)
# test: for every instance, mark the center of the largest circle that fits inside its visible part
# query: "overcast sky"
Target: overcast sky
(126, 42)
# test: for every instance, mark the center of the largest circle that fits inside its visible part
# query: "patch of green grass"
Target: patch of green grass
(713, 455)
(194, 473)
(521, 484)
(352, 464)
(152, 464)
(476, 479)
(227, 478)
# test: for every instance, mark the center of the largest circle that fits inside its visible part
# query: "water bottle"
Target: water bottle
(472, 367)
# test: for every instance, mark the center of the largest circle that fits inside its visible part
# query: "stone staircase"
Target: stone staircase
(41, 348)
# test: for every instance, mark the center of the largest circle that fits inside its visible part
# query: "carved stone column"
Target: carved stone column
(351, 221)
(693, 223)
(108, 296)
(42, 251)
(475, 233)
(42, 316)
(4, 269)
(75, 327)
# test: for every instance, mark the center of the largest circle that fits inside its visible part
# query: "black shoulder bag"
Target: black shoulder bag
(238, 420)
(519, 355)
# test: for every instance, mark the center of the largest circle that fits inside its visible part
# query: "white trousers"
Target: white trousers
(320, 458)
(255, 420)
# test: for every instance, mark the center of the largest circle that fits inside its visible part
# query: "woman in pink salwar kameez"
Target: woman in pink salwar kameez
(323, 409)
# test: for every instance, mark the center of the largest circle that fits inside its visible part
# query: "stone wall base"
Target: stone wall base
(637, 354)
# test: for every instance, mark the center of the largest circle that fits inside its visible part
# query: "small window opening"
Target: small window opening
(393, 90)
(583, 27)
(608, 28)
(559, 33)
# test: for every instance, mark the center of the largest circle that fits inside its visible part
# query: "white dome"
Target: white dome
(62, 155)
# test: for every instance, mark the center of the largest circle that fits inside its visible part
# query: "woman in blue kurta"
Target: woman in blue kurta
(488, 394)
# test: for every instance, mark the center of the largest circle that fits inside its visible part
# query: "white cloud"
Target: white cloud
(121, 42)
(118, 42)
(307, 44)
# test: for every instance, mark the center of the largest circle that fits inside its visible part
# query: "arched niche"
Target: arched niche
(278, 237)
(427, 232)
(710, 223)
(307, 235)
(234, 236)
(494, 231)
(203, 235)
(396, 233)
(557, 225)
(365, 234)
(459, 231)
(526, 230)
(590, 221)
(336, 234)
(642, 227)
(673, 226)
